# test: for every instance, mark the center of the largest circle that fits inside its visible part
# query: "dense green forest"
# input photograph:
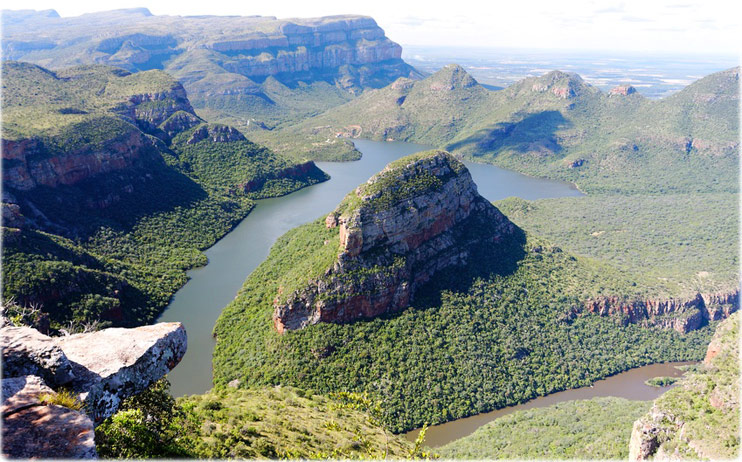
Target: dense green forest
(500, 331)
(598, 428)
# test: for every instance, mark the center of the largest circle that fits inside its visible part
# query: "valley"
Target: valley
(350, 251)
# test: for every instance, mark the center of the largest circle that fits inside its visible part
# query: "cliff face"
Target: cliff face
(30, 163)
(683, 315)
(679, 423)
(395, 232)
(254, 47)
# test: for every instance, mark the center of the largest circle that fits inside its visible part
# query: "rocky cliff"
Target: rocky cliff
(699, 419)
(99, 369)
(64, 128)
(254, 47)
(681, 314)
(410, 221)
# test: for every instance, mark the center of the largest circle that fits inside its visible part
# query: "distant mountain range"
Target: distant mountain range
(240, 66)
(559, 126)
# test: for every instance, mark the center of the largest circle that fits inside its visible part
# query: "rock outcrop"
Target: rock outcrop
(699, 419)
(217, 133)
(33, 429)
(112, 364)
(683, 315)
(399, 229)
(352, 50)
(30, 163)
(27, 351)
(622, 90)
(100, 368)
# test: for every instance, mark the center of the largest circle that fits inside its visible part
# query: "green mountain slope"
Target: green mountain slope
(598, 428)
(112, 186)
(555, 126)
(501, 329)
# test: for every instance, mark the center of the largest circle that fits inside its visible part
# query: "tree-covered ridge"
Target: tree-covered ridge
(62, 104)
(118, 205)
(502, 329)
(553, 126)
(598, 428)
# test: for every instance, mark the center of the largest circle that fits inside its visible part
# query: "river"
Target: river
(629, 385)
(210, 288)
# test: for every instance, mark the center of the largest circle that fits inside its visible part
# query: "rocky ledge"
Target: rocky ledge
(100, 368)
(396, 231)
(681, 314)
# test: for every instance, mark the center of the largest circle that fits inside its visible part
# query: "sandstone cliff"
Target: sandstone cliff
(396, 231)
(699, 419)
(681, 314)
(100, 368)
(255, 47)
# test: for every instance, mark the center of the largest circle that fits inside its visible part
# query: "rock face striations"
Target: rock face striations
(420, 215)
(681, 314)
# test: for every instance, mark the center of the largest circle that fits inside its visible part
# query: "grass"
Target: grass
(285, 422)
(63, 397)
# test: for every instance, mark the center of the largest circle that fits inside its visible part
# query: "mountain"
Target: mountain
(418, 292)
(111, 187)
(678, 425)
(556, 126)
(235, 68)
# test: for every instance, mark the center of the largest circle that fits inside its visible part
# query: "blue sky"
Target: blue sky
(676, 26)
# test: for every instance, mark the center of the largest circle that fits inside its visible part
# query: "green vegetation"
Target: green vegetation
(499, 331)
(661, 381)
(554, 126)
(598, 428)
(63, 397)
(112, 248)
(278, 422)
(705, 399)
(664, 241)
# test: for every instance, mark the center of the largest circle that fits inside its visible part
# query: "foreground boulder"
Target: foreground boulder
(418, 216)
(27, 351)
(101, 368)
(113, 364)
(34, 429)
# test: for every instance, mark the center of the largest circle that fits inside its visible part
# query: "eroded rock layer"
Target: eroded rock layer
(681, 314)
(404, 225)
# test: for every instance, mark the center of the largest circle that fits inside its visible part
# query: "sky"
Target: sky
(645, 26)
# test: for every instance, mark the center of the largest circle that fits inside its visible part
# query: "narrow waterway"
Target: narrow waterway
(210, 288)
(629, 385)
